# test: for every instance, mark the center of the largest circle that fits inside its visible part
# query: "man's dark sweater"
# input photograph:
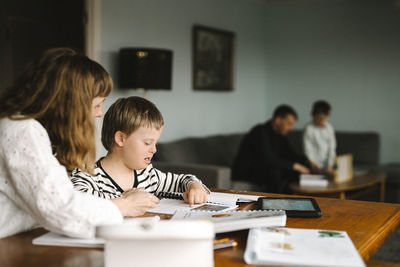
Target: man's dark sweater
(266, 158)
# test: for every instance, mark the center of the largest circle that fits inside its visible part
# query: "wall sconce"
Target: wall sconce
(145, 68)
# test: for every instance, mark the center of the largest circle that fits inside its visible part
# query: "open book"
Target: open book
(300, 247)
(172, 202)
(229, 221)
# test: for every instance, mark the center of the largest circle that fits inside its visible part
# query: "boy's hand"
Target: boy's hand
(135, 202)
(195, 194)
(329, 170)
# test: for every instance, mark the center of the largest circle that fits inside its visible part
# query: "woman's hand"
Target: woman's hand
(135, 202)
(195, 194)
(301, 168)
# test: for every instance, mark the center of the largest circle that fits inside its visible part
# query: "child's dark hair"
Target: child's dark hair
(283, 110)
(321, 107)
(127, 115)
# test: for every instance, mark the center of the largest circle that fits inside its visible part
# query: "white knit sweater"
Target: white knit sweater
(35, 189)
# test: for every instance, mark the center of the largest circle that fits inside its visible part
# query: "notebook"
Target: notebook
(53, 239)
(229, 221)
(300, 247)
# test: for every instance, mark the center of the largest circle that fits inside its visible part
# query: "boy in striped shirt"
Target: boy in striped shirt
(131, 129)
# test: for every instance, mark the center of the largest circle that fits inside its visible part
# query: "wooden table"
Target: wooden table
(358, 186)
(367, 223)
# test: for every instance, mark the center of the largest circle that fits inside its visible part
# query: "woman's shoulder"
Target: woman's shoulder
(9, 125)
(17, 129)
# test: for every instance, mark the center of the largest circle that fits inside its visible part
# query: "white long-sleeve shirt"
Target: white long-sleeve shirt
(35, 189)
(320, 144)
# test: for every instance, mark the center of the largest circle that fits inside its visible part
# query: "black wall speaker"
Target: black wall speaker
(145, 68)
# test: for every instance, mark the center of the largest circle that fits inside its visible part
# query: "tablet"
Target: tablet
(294, 207)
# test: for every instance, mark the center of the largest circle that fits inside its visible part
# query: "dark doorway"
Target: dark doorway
(29, 27)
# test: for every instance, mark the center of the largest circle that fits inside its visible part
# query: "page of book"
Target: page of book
(231, 198)
(170, 206)
(216, 202)
(301, 247)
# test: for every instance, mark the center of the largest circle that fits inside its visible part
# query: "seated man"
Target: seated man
(319, 138)
(265, 156)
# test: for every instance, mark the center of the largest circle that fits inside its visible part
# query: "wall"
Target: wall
(347, 52)
(167, 24)
(287, 51)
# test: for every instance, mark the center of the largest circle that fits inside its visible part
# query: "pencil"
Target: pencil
(221, 240)
(225, 244)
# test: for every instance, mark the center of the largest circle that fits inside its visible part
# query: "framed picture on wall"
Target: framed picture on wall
(212, 59)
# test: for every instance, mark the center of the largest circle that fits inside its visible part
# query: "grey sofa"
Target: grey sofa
(211, 157)
(392, 182)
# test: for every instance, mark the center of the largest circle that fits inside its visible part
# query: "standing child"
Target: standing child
(131, 129)
(319, 138)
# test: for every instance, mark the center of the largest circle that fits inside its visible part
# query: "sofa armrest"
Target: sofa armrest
(211, 175)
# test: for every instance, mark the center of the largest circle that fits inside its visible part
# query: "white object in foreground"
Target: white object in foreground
(301, 247)
(158, 243)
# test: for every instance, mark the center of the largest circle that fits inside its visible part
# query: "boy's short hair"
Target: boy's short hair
(127, 115)
(321, 106)
(283, 110)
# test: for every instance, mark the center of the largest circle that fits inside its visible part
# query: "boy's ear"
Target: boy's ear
(119, 138)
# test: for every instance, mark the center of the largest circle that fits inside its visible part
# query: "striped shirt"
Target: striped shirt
(153, 181)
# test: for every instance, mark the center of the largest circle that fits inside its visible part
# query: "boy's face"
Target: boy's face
(320, 119)
(139, 147)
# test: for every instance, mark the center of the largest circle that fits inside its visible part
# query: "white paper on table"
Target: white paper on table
(301, 247)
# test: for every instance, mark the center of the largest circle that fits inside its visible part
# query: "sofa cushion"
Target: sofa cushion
(216, 150)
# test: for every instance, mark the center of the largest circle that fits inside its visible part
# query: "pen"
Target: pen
(224, 243)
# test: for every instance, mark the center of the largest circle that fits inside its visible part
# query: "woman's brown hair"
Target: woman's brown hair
(58, 90)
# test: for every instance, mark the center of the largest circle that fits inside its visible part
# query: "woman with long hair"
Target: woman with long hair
(46, 130)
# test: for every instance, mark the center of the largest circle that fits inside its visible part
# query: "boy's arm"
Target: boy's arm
(85, 183)
(332, 147)
(171, 182)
